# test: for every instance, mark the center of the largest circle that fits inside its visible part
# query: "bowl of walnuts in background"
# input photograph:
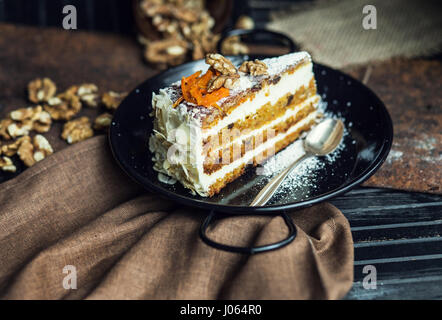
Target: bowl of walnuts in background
(175, 31)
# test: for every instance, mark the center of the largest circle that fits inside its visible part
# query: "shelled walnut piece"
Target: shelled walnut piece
(168, 52)
(41, 90)
(233, 45)
(11, 149)
(7, 165)
(4, 124)
(77, 130)
(88, 94)
(255, 68)
(227, 76)
(29, 150)
(103, 121)
(22, 121)
(112, 99)
(32, 152)
(40, 120)
(64, 106)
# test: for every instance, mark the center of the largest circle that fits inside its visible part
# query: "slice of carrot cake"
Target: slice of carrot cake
(211, 125)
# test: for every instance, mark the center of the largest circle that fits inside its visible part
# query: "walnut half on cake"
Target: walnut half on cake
(210, 126)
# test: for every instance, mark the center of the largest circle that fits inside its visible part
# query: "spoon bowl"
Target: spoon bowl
(321, 140)
(324, 138)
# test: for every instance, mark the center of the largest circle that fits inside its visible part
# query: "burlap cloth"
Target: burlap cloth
(78, 208)
(332, 30)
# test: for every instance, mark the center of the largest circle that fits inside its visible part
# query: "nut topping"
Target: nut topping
(255, 68)
(221, 64)
(228, 75)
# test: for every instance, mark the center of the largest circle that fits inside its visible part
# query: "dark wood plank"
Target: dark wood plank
(426, 287)
(400, 234)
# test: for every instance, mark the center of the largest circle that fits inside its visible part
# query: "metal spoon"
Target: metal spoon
(321, 140)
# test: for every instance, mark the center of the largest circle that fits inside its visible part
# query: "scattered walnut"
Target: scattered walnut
(12, 148)
(221, 64)
(77, 130)
(26, 152)
(255, 68)
(234, 46)
(88, 94)
(29, 152)
(166, 52)
(41, 90)
(245, 22)
(4, 124)
(103, 121)
(112, 99)
(31, 118)
(18, 129)
(64, 106)
(42, 148)
(6, 164)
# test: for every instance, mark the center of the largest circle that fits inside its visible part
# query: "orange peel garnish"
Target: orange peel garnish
(194, 88)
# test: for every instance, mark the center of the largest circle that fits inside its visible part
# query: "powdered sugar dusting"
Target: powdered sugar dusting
(305, 174)
(280, 64)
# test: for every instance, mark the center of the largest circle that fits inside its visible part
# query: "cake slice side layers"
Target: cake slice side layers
(205, 148)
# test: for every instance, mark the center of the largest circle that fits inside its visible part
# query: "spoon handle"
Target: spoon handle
(270, 188)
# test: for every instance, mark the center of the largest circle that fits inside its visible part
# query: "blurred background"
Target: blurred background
(331, 30)
(113, 15)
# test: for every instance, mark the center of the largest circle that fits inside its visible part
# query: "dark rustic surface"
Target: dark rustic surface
(398, 232)
(411, 90)
(68, 57)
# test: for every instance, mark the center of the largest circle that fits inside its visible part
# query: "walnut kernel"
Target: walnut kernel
(77, 130)
(6, 164)
(221, 64)
(41, 90)
(64, 106)
(4, 124)
(11, 149)
(88, 94)
(112, 99)
(255, 68)
(103, 121)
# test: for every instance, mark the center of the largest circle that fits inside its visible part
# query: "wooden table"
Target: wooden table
(397, 232)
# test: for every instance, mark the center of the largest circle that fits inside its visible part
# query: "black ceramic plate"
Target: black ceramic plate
(367, 145)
